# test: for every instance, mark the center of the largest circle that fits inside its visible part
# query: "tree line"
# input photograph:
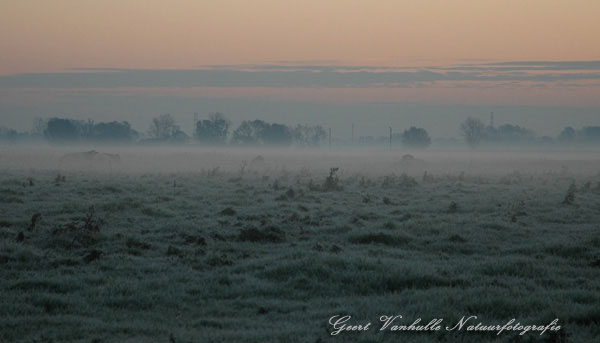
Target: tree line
(476, 133)
(71, 130)
(217, 130)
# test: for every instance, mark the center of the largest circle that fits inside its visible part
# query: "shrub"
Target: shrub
(81, 231)
(570, 196)
(228, 212)
(332, 181)
(416, 137)
(379, 238)
(453, 207)
(271, 234)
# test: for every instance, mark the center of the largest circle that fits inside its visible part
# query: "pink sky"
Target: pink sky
(49, 36)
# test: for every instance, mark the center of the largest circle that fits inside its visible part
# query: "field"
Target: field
(224, 246)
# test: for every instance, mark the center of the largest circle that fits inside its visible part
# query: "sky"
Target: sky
(374, 63)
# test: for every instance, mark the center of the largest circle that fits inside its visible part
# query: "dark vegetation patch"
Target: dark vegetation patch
(389, 226)
(516, 216)
(111, 189)
(588, 317)
(194, 239)
(218, 260)
(367, 216)
(59, 179)
(567, 251)
(402, 181)
(79, 233)
(44, 285)
(218, 237)
(133, 243)
(327, 276)
(290, 194)
(331, 183)
(34, 219)
(228, 212)
(570, 196)
(269, 234)
(400, 281)
(156, 212)
(7, 192)
(122, 204)
(457, 238)
(89, 223)
(405, 217)
(92, 256)
(51, 304)
(7, 259)
(173, 251)
(379, 238)
(11, 200)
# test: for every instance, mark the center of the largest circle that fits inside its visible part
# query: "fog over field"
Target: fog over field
(368, 162)
(189, 244)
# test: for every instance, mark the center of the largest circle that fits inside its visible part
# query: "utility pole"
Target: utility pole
(390, 137)
(329, 138)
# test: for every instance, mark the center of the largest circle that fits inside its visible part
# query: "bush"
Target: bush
(416, 137)
(332, 181)
(269, 235)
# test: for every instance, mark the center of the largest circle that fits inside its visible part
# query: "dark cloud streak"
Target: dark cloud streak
(306, 76)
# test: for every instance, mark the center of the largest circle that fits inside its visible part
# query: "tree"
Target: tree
(162, 127)
(60, 129)
(85, 128)
(213, 130)
(513, 133)
(415, 137)
(472, 129)
(586, 134)
(8, 134)
(590, 133)
(39, 126)
(567, 134)
(304, 135)
(248, 133)
(276, 134)
(113, 131)
(317, 134)
(258, 132)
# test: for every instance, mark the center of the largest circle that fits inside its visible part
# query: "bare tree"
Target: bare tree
(309, 136)
(39, 125)
(472, 129)
(162, 127)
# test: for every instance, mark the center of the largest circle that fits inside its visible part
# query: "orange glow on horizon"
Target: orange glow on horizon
(54, 35)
